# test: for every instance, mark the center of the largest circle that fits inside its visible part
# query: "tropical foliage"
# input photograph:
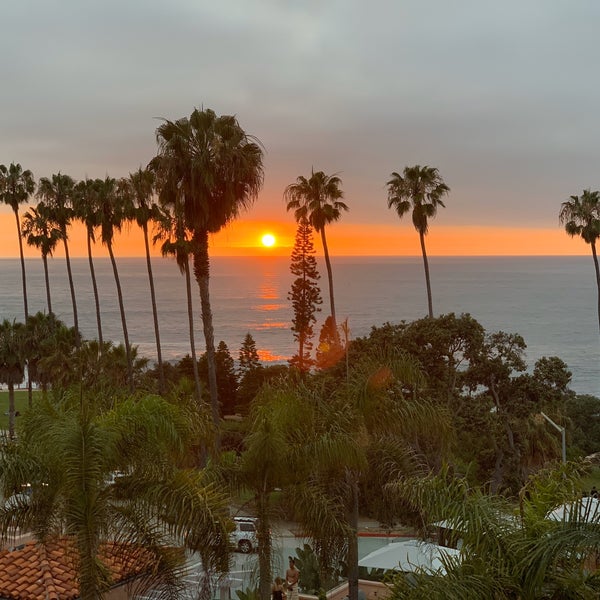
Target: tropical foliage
(507, 552)
(112, 475)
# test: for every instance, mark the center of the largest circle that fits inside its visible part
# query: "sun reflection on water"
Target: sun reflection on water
(268, 356)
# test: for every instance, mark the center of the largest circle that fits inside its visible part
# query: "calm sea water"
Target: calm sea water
(550, 301)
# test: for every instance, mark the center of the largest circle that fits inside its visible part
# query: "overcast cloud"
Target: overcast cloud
(502, 97)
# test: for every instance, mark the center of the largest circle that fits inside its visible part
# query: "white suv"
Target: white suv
(243, 538)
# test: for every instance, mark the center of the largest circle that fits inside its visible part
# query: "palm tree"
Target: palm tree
(581, 216)
(215, 169)
(40, 232)
(140, 189)
(171, 229)
(46, 337)
(318, 199)
(504, 556)
(69, 451)
(58, 195)
(86, 210)
(422, 189)
(16, 186)
(12, 363)
(113, 210)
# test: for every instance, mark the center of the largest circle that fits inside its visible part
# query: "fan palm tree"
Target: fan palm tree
(57, 193)
(215, 169)
(113, 211)
(422, 189)
(318, 199)
(171, 229)
(139, 187)
(581, 216)
(85, 207)
(12, 363)
(16, 186)
(69, 452)
(40, 232)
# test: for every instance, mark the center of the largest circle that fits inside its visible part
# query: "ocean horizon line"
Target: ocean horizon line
(58, 256)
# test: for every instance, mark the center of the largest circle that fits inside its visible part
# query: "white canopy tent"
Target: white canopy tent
(408, 556)
(584, 510)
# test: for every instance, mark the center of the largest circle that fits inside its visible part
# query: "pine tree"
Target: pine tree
(250, 374)
(305, 294)
(226, 379)
(248, 357)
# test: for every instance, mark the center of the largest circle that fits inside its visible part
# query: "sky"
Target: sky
(501, 97)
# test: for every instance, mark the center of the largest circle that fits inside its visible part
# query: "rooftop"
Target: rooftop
(34, 571)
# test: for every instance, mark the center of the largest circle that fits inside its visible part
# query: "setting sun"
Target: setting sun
(268, 240)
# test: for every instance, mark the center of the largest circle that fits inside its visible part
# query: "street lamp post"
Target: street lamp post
(562, 432)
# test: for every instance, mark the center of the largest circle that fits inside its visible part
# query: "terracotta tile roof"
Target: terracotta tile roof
(33, 571)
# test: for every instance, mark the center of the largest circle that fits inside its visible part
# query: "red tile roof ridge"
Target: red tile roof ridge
(50, 590)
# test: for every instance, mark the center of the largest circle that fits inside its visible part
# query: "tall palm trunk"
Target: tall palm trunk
(595, 256)
(201, 272)
(427, 279)
(264, 545)
(47, 279)
(123, 320)
(23, 279)
(190, 307)
(26, 309)
(71, 285)
(11, 410)
(161, 372)
(95, 288)
(330, 282)
(352, 558)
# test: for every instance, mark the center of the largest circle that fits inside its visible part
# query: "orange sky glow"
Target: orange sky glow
(243, 238)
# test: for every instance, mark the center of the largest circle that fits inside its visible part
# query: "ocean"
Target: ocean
(550, 301)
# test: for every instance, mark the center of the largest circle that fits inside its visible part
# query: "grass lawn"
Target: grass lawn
(20, 405)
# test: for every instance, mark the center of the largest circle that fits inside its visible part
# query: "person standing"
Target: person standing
(292, 575)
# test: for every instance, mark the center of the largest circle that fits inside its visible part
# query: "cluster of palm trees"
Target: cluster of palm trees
(100, 204)
(206, 171)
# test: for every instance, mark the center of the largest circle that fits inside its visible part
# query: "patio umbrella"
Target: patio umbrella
(408, 556)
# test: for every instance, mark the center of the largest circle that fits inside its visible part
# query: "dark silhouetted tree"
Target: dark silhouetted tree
(210, 165)
(319, 200)
(581, 216)
(419, 188)
(16, 186)
(40, 232)
(86, 210)
(248, 356)
(57, 193)
(226, 379)
(305, 295)
(249, 373)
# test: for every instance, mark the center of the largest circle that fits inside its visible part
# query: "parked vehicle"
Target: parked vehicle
(243, 538)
